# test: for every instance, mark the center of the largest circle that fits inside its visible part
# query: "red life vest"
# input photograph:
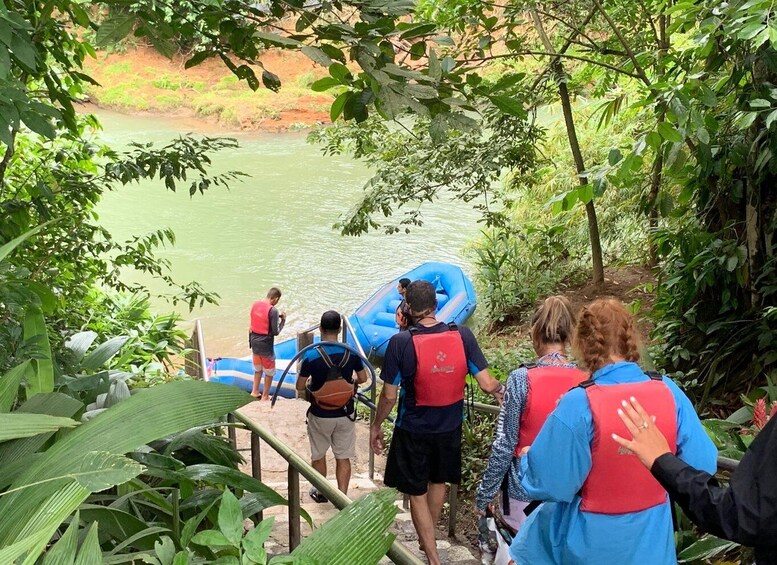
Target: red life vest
(260, 317)
(441, 367)
(618, 483)
(546, 386)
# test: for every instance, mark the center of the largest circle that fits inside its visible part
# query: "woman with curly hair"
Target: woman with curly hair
(532, 392)
(602, 506)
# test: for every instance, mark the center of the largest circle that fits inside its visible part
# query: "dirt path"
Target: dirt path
(287, 421)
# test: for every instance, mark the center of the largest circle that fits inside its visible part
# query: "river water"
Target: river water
(272, 229)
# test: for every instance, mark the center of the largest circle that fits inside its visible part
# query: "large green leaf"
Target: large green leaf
(216, 449)
(50, 506)
(100, 470)
(146, 416)
(253, 542)
(6, 249)
(103, 353)
(12, 469)
(357, 534)
(10, 553)
(90, 553)
(16, 425)
(231, 518)
(64, 551)
(42, 378)
(143, 538)
(218, 475)
(191, 525)
(9, 385)
(12, 453)
(115, 29)
(115, 522)
(705, 548)
(79, 343)
(97, 471)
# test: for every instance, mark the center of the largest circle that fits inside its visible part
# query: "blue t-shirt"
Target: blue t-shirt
(313, 366)
(399, 366)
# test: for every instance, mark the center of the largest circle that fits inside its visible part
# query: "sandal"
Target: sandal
(317, 496)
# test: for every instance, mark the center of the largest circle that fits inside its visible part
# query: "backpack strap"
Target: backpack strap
(527, 366)
(654, 375)
(453, 327)
(344, 361)
(324, 356)
(585, 384)
(328, 360)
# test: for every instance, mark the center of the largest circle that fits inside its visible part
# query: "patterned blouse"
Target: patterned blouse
(501, 461)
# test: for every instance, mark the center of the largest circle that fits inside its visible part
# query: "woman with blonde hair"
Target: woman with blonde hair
(532, 392)
(602, 506)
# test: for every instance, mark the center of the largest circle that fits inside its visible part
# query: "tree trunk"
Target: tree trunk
(655, 187)
(574, 145)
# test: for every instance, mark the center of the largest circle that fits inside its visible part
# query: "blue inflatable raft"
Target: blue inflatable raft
(374, 321)
(373, 325)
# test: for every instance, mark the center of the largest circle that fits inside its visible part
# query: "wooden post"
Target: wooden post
(453, 506)
(256, 463)
(372, 419)
(231, 430)
(294, 509)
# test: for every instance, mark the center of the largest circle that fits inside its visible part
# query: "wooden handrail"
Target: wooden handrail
(398, 553)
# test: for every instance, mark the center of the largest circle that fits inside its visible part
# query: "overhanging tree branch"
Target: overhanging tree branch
(556, 56)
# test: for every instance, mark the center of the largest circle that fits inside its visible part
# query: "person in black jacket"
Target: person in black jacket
(745, 512)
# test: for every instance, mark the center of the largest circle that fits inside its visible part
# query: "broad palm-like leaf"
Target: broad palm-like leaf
(90, 553)
(15, 425)
(42, 378)
(103, 353)
(17, 454)
(9, 385)
(64, 551)
(357, 534)
(146, 416)
(79, 343)
(51, 507)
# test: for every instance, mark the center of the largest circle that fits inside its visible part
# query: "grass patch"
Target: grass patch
(117, 69)
(224, 98)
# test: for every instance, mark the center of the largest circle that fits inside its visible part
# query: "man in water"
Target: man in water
(328, 375)
(266, 323)
(430, 362)
(402, 315)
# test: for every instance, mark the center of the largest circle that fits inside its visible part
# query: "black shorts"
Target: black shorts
(417, 459)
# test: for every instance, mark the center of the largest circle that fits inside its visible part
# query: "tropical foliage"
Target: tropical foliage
(690, 85)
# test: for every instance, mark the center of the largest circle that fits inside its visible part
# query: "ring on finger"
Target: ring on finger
(644, 425)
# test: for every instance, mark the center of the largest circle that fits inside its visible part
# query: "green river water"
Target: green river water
(272, 229)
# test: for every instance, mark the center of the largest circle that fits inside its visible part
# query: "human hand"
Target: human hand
(483, 511)
(283, 314)
(499, 394)
(376, 439)
(648, 443)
